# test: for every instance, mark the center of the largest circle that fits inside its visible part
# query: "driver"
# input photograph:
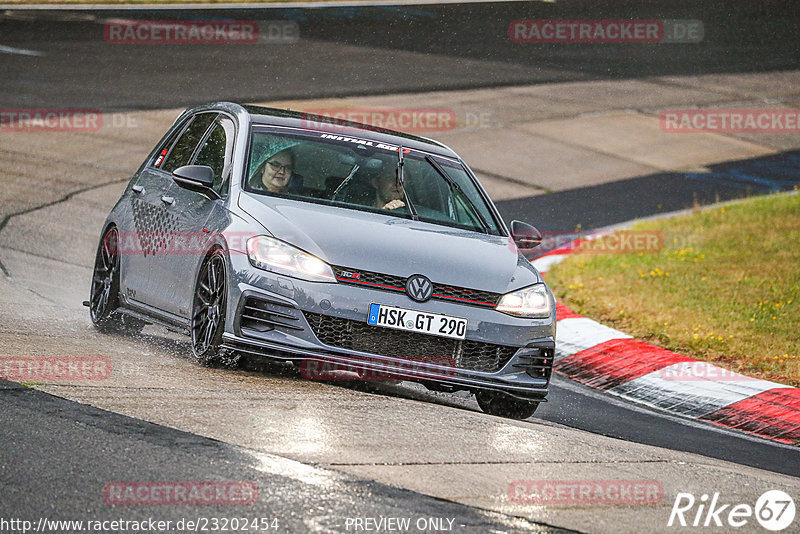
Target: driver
(388, 192)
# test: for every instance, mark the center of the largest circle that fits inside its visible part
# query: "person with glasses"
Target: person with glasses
(274, 174)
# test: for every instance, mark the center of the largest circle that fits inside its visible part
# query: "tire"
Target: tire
(209, 306)
(502, 405)
(104, 294)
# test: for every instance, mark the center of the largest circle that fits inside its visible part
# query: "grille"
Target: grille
(387, 282)
(263, 314)
(538, 363)
(462, 354)
(467, 296)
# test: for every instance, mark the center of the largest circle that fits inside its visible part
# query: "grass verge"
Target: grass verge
(723, 288)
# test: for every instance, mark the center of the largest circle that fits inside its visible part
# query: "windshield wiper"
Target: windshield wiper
(402, 183)
(454, 185)
(346, 181)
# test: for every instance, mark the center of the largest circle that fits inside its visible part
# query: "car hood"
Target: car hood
(392, 245)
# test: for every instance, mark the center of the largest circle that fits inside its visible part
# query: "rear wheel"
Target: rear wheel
(104, 293)
(502, 405)
(208, 314)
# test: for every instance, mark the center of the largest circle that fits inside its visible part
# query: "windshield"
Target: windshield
(361, 174)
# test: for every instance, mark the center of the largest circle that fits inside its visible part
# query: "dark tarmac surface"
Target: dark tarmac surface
(58, 455)
(372, 50)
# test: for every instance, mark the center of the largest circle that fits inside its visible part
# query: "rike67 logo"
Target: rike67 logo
(774, 510)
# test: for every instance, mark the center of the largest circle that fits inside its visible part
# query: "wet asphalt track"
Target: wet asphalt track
(58, 455)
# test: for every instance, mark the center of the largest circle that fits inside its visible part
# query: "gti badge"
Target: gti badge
(419, 288)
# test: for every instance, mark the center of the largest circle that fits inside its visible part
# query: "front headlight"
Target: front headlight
(272, 255)
(528, 302)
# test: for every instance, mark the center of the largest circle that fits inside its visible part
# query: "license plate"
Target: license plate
(417, 321)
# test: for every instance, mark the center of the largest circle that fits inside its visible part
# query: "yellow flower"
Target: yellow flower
(752, 319)
(695, 336)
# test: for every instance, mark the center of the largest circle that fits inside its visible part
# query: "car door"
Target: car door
(192, 211)
(138, 238)
(157, 214)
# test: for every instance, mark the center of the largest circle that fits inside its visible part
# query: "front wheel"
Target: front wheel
(502, 405)
(208, 314)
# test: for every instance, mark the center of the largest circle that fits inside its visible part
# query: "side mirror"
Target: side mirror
(525, 236)
(197, 178)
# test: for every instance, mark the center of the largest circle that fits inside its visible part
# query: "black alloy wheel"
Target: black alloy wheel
(104, 294)
(208, 314)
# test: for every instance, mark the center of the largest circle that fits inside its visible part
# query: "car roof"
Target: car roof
(309, 121)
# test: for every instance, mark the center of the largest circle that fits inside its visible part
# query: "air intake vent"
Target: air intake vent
(538, 363)
(264, 314)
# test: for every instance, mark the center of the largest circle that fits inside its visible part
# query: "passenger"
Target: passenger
(276, 171)
(388, 192)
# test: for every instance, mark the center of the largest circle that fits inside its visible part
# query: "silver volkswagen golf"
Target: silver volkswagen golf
(346, 249)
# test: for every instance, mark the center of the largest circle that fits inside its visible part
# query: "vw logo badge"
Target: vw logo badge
(419, 288)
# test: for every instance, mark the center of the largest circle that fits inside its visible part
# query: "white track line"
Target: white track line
(20, 51)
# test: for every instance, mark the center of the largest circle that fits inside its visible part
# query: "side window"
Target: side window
(217, 151)
(167, 144)
(182, 152)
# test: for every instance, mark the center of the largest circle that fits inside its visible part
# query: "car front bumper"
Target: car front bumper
(280, 318)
